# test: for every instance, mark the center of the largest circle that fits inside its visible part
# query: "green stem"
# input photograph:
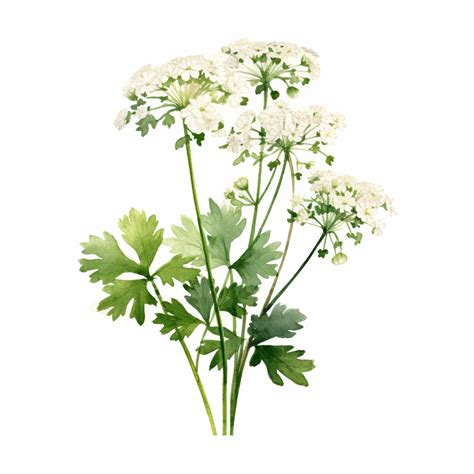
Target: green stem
(290, 281)
(275, 194)
(206, 329)
(287, 243)
(259, 178)
(202, 391)
(207, 259)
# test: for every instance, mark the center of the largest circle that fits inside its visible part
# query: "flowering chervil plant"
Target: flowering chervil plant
(220, 289)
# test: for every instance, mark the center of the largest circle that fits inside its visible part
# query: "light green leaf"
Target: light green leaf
(235, 298)
(111, 263)
(121, 292)
(223, 225)
(177, 319)
(200, 297)
(284, 360)
(175, 270)
(282, 322)
(141, 234)
(254, 262)
(208, 346)
(186, 241)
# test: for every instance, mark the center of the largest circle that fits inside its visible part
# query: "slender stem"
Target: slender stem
(206, 329)
(257, 202)
(202, 391)
(290, 281)
(207, 259)
(270, 207)
(287, 243)
(259, 178)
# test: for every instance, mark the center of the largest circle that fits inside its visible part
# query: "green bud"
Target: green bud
(229, 194)
(292, 91)
(242, 184)
(339, 258)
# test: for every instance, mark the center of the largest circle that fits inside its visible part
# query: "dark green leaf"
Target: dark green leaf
(232, 345)
(274, 95)
(235, 298)
(282, 322)
(282, 359)
(200, 297)
(329, 160)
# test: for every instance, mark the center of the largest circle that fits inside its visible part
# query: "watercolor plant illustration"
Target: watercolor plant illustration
(239, 319)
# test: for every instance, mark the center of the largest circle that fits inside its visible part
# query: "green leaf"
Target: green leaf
(168, 120)
(322, 253)
(141, 234)
(200, 297)
(232, 345)
(329, 160)
(175, 270)
(111, 263)
(199, 137)
(121, 292)
(282, 359)
(180, 142)
(254, 262)
(186, 241)
(177, 319)
(244, 101)
(235, 298)
(282, 322)
(223, 225)
(143, 125)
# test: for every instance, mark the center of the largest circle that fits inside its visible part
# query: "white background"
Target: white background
(391, 332)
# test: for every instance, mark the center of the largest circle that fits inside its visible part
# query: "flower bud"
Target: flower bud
(292, 92)
(242, 184)
(339, 258)
(229, 194)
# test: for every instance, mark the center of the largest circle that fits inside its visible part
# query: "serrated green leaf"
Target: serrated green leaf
(232, 344)
(281, 322)
(177, 319)
(282, 359)
(200, 297)
(143, 125)
(235, 298)
(223, 225)
(168, 120)
(175, 269)
(255, 261)
(121, 292)
(180, 142)
(186, 241)
(112, 262)
(141, 234)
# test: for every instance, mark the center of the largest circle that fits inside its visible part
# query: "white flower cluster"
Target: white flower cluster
(340, 199)
(285, 128)
(190, 85)
(302, 62)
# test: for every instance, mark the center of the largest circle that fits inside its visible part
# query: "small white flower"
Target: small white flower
(297, 200)
(141, 112)
(302, 216)
(121, 119)
(201, 114)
